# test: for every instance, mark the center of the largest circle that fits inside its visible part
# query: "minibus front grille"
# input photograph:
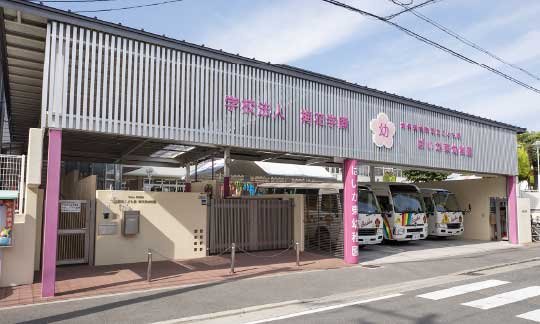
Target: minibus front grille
(414, 230)
(367, 231)
(453, 226)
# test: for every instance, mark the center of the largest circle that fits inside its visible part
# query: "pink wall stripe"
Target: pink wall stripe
(50, 227)
(350, 212)
(512, 209)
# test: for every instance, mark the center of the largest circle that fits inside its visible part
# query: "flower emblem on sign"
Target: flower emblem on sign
(383, 131)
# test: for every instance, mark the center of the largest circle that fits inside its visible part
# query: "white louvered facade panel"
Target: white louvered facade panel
(106, 83)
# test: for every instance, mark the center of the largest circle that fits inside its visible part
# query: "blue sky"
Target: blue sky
(317, 36)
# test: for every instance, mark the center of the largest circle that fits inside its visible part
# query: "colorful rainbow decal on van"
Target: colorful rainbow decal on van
(387, 231)
(406, 219)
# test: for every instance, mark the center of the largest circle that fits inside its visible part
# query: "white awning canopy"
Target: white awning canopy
(158, 172)
(294, 170)
(261, 169)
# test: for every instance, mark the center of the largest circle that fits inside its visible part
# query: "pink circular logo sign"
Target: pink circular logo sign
(383, 131)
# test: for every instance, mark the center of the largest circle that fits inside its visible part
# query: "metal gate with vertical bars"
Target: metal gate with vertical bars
(253, 224)
(323, 223)
(12, 168)
(73, 232)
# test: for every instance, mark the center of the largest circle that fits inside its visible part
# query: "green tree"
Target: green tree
(424, 176)
(524, 164)
(389, 176)
(526, 140)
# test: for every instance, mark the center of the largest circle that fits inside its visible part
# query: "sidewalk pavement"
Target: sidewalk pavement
(428, 250)
(86, 281)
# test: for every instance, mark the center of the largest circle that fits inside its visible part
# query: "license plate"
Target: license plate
(416, 236)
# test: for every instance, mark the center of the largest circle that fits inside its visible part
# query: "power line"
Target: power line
(129, 7)
(466, 41)
(434, 44)
(420, 5)
(70, 1)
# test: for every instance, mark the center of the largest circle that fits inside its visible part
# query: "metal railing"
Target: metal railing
(233, 248)
(12, 174)
(535, 231)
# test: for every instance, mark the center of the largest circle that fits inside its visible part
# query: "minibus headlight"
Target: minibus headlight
(400, 231)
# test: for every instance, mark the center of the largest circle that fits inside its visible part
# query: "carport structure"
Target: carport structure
(110, 93)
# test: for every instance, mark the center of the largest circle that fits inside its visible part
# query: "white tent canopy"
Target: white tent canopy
(158, 172)
(294, 170)
(268, 169)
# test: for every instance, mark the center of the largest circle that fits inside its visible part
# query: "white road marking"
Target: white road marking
(505, 298)
(532, 316)
(463, 289)
(324, 309)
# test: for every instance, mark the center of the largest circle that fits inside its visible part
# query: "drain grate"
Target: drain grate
(371, 266)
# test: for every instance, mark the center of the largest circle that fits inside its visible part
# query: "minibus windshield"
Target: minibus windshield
(446, 202)
(367, 203)
(407, 202)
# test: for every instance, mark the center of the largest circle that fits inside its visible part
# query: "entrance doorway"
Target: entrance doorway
(498, 218)
(74, 235)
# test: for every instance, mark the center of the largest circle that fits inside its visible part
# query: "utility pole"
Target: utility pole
(537, 145)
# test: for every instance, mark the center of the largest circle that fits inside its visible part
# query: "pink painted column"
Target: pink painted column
(350, 212)
(511, 182)
(50, 227)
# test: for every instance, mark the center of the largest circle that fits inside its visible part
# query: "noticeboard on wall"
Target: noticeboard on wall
(7, 208)
(70, 206)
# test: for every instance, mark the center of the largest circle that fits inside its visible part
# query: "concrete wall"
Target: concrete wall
(199, 187)
(476, 193)
(19, 261)
(524, 220)
(39, 225)
(78, 189)
(68, 185)
(170, 223)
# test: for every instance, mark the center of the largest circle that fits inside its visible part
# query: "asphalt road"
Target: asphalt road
(495, 299)
(164, 305)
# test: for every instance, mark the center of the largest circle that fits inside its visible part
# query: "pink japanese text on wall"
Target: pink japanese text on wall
(430, 138)
(265, 110)
(440, 143)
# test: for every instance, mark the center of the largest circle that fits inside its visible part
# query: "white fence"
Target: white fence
(534, 197)
(12, 168)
